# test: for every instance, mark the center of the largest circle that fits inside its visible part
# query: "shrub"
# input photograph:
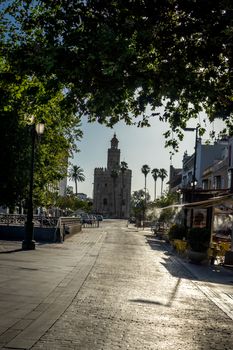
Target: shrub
(177, 231)
(198, 239)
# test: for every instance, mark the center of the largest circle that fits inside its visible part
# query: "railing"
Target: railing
(91, 223)
(20, 219)
(43, 221)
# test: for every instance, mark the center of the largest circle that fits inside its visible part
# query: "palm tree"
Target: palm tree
(76, 174)
(145, 170)
(124, 167)
(155, 175)
(162, 175)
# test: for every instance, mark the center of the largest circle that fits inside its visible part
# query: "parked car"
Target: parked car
(85, 219)
(99, 217)
(132, 220)
(92, 217)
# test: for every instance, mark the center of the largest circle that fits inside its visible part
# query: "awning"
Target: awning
(211, 202)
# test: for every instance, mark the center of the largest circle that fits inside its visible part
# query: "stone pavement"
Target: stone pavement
(37, 286)
(111, 287)
(216, 282)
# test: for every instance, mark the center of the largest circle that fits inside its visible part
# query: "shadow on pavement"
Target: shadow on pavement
(11, 251)
(145, 301)
(176, 269)
(153, 302)
(154, 243)
(184, 269)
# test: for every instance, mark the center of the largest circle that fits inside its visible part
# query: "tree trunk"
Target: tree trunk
(76, 188)
(144, 211)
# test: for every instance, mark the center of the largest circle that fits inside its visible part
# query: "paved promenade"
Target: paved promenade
(112, 287)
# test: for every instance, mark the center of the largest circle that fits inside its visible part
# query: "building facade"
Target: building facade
(175, 178)
(112, 186)
(206, 156)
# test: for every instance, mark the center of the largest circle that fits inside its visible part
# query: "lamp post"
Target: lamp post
(29, 243)
(194, 180)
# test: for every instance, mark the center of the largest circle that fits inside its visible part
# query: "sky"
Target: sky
(138, 146)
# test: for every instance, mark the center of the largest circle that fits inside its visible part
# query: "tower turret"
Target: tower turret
(113, 154)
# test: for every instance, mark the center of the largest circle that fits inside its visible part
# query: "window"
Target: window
(105, 202)
(205, 184)
(217, 182)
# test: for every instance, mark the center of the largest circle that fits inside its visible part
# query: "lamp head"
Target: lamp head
(194, 182)
(40, 128)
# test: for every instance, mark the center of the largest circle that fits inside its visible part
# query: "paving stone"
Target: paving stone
(117, 290)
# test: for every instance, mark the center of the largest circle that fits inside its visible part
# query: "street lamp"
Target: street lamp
(29, 243)
(194, 180)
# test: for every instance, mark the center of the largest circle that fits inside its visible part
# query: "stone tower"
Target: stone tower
(112, 186)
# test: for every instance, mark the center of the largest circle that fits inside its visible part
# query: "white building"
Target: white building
(206, 156)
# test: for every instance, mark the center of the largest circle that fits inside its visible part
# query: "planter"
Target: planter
(198, 240)
(180, 245)
(198, 257)
(228, 258)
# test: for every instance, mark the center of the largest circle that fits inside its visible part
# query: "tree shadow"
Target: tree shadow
(154, 243)
(180, 267)
(12, 251)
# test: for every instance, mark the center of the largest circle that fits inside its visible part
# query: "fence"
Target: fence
(12, 226)
(20, 219)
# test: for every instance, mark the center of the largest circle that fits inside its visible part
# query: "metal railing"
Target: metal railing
(91, 223)
(43, 221)
(20, 219)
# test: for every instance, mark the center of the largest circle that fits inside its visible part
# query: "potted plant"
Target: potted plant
(198, 241)
(177, 231)
(177, 236)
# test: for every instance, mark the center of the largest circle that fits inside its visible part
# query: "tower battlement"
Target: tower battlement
(100, 170)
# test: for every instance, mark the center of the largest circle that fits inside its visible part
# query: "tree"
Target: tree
(76, 174)
(166, 215)
(72, 202)
(22, 98)
(116, 57)
(162, 175)
(145, 170)
(124, 167)
(69, 191)
(138, 204)
(155, 175)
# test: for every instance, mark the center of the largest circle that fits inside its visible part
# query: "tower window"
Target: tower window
(105, 202)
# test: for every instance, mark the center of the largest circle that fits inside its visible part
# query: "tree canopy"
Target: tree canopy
(116, 58)
(24, 98)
